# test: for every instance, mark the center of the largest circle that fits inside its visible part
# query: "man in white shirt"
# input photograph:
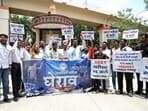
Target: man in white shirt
(16, 57)
(107, 52)
(75, 50)
(64, 53)
(43, 50)
(4, 66)
(114, 50)
(128, 75)
(54, 52)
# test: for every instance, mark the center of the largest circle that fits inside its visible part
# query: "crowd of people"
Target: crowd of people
(11, 61)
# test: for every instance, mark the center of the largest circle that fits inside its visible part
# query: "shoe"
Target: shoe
(138, 92)
(15, 99)
(114, 91)
(119, 92)
(105, 91)
(22, 94)
(6, 100)
(146, 96)
(130, 94)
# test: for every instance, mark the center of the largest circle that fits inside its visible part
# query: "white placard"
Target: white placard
(110, 34)
(124, 61)
(130, 34)
(87, 35)
(144, 70)
(67, 30)
(13, 37)
(100, 68)
(16, 28)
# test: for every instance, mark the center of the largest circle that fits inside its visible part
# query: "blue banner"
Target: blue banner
(51, 76)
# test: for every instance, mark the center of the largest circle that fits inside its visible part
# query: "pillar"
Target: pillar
(4, 20)
(100, 30)
(37, 36)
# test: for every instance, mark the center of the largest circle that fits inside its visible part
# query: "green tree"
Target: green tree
(126, 20)
(27, 22)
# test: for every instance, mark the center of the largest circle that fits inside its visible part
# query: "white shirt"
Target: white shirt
(44, 52)
(75, 52)
(54, 54)
(64, 54)
(4, 56)
(115, 50)
(17, 55)
(107, 52)
(126, 48)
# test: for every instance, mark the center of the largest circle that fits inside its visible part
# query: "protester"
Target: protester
(84, 53)
(43, 50)
(4, 66)
(143, 47)
(64, 53)
(16, 57)
(54, 52)
(97, 83)
(36, 53)
(128, 75)
(74, 50)
(106, 49)
(114, 50)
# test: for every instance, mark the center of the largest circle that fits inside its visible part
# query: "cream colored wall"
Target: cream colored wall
(78, 15)
(4, 20)
(83, 15)
(34, 7)
(30, 5)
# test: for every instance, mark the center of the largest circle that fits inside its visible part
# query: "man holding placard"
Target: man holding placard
(143, 47)
(128, 75)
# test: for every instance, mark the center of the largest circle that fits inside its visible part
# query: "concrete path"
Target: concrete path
(78, 102)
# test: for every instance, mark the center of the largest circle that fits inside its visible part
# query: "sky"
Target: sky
(111, 6)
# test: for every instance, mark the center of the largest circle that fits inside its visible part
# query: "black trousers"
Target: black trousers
(146, 88)
(97, 84)
(16, 78)
(139, 83)
(128, 79)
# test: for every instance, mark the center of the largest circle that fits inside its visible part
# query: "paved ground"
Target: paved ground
(78, 102)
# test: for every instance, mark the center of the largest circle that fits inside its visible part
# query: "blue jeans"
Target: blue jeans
(113, 77)
(5, 81)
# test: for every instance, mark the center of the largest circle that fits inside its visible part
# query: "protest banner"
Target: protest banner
(87, 35)
(67, 30)
(130, 34)
(110, 34)
(125, 61)
(144, 70)
(50, 76)
(17, 28)
(100, 68)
